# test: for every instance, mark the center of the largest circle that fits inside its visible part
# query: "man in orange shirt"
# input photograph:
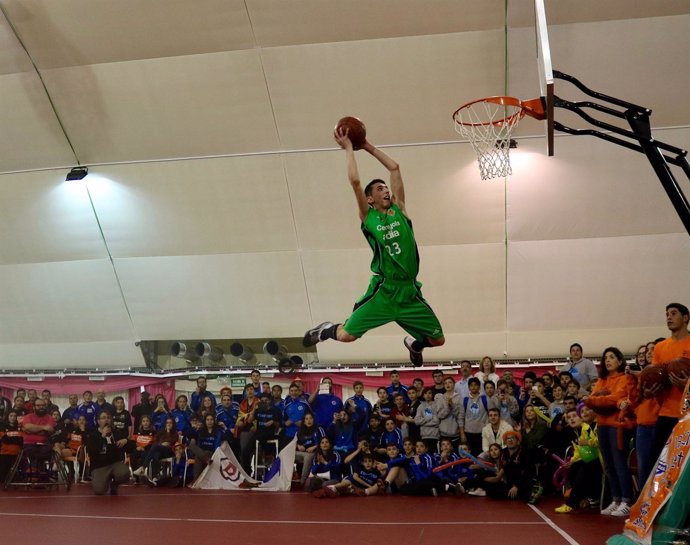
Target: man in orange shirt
(676, 346)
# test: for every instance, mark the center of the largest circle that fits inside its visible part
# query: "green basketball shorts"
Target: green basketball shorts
(394, 301)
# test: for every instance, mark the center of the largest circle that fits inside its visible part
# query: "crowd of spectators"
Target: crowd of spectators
(477, 433)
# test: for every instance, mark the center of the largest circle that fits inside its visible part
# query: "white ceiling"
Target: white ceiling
(217, 206)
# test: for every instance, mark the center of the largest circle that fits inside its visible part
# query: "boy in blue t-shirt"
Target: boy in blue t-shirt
(364, 482)
(361, 405)
(324, 403)
(294, 412)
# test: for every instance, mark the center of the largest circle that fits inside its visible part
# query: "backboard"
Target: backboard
(487, 123)
(545, 69)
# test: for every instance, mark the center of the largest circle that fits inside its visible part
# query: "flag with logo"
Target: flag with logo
(226, 473)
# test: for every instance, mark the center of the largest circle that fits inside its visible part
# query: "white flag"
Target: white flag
(226, 473)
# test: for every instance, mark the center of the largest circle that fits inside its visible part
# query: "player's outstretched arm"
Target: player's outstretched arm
(396, 181)
(344, 142)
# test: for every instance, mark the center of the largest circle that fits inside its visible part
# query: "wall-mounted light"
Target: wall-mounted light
(286, 363)
(77, 173)
(242, 352)
(181, 350)
(205, 350)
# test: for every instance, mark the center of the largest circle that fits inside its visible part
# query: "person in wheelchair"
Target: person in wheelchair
(38, 428)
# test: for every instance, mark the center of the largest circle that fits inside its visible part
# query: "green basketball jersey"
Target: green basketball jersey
(391, 238)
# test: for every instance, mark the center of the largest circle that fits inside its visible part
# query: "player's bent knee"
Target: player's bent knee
(437, 342)
(345, 337)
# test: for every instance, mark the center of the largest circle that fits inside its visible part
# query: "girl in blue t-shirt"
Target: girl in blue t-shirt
(343, 433)
(327, 467)
(308, 437)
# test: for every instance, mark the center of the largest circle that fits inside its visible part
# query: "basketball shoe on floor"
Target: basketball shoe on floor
(415, 355)
(313, 336)
(480, 492)
(623, 510)
(610, 509)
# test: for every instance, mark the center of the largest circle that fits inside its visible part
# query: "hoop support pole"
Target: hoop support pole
(638, 118)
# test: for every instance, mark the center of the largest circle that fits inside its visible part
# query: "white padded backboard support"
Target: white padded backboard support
(545, 68)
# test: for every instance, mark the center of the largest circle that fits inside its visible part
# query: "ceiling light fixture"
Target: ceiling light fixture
(77, 173)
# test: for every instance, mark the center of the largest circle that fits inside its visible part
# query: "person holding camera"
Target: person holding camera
(324, 403)
(343, 433)
(108, 468)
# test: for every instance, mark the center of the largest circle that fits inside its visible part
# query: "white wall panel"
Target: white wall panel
(76, 301)
(590, 188)
(212, 206)
(13, 58)
(80, 32)
(618, 282)
(404, 89)
(174, 107)
(521, 12)
(335, 279)
(44, 218)
(643, 61)
(277, 22)
(521, 344)
(30, 135)
(465, 285)
(86, 355)
(222, 296)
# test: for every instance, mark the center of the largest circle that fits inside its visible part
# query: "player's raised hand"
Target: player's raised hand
(342, 138)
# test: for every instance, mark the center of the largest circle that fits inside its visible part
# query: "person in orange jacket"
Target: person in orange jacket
(605, 400)
(644, 405)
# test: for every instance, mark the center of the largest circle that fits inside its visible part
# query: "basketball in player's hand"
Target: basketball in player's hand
(652, 375)
(356, 131)
(679, 366)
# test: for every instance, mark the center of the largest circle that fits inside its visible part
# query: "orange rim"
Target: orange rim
(533, 108)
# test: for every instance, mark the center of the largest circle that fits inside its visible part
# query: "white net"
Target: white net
(488, 124)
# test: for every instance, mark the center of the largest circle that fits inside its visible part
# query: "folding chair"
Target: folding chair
(260, 466)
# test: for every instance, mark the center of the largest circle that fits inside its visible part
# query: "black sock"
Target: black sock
(418, 346)
(329, 332)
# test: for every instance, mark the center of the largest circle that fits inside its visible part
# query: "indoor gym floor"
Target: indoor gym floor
(170, 517)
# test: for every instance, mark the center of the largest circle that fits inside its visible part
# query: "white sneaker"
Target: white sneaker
(480, 492)
(139, 472)
(623, 510)
(610, 509)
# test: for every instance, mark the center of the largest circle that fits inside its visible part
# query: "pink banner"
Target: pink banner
(340, 378)
(77, 385)
(165, 387)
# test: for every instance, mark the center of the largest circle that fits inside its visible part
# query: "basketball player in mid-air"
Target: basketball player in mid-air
(394, 294)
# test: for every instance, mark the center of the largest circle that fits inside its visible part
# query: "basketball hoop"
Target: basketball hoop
(488, 123)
